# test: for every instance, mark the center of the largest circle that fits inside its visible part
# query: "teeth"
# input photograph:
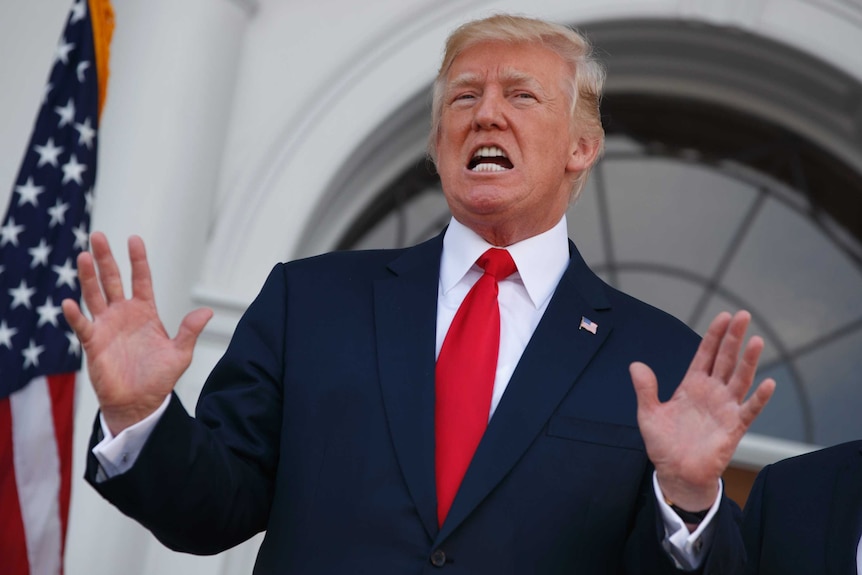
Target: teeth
(489, 168)
(489, 152)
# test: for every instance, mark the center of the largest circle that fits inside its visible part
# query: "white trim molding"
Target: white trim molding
(756, 451)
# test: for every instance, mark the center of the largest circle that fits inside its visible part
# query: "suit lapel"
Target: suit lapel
(405, 309)
(552, 361)
(845, 517)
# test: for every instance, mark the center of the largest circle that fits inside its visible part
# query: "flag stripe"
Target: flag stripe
(62, 390)
(13, 547)
(37, 473)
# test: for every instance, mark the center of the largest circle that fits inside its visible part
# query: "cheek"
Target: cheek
(454, 124)
(448, 154)
(444, 141)
(447, 169)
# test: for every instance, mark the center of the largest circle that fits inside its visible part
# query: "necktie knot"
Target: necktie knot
(498, 263)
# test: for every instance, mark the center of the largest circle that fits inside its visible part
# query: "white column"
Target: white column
(29, 32)
(173, 67)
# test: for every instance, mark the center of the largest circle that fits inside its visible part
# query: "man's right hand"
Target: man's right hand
(132, 361)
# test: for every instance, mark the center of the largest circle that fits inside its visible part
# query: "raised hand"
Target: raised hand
(691, 437)
(132, 361)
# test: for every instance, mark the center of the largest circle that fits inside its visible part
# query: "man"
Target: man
(804, 514)
(358, 415)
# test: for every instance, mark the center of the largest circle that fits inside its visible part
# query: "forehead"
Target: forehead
(512, 62)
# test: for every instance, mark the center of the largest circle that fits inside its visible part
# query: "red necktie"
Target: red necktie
(465, 377)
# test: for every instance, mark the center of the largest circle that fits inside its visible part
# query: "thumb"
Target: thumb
(646, 386)
(191, 327)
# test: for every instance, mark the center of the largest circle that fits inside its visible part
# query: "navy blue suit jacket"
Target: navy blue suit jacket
(317, 426)
(804, 514)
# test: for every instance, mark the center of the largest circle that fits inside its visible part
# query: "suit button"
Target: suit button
(438, 558)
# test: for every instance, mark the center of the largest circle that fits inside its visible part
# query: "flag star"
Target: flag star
(40, 254)
(21, 295)
(48, 154)
(88, 201)
(63, 51)
(48, 87)
(82, 67)
(48, 313)
(67, 113)
(9, 233)
(58, 213)
(72, 170)
(66, 274)
(6, 334)
(86, 133)
(28, 192)
(74, 343)
(82, 237)
(31, 354)
(79, 10)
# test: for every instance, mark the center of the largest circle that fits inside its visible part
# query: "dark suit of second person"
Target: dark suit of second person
(804, 514)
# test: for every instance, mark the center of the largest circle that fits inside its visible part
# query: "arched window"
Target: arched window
(732, 179)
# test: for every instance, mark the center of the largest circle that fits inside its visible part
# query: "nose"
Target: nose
(490, 112)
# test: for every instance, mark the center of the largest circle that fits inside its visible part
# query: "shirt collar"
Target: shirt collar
(541, 259)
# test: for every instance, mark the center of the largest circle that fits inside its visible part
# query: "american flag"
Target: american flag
(46, 225)
(589, 325)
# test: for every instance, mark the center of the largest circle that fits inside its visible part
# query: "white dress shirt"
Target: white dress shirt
(523, 297)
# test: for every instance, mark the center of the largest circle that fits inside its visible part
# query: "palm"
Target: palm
(129, 353)
(691, 438)
(132, 362)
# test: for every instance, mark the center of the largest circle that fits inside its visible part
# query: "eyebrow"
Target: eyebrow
(508, 76)
(463, 80)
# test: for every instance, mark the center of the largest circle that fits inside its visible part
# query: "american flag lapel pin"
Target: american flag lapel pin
(589, 325)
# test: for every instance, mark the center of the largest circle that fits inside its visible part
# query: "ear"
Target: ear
(584, 154)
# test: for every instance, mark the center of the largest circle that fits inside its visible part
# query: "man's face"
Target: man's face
(506, 155)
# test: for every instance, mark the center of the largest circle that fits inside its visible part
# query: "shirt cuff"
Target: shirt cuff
(116, 455)
(687, 549)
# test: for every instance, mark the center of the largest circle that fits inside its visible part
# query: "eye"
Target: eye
(524, 96)
(463, 100)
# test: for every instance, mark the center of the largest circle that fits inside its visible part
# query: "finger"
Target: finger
(109, 273)
(191, 327)
(77, 320)
(731, 343)
(743, 375)
(142, 280)
(646, 387)
(704, 357)
(91, 291)
(758, 400)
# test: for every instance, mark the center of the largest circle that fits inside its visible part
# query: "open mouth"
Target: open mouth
(489, 159)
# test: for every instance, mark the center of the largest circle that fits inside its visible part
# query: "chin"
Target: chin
(485, 204)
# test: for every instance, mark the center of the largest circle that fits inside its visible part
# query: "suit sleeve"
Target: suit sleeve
(205, 484)
(645, 553)
(727, 554)
(668, 351)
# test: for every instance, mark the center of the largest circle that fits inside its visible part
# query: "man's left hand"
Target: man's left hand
(691, 437)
